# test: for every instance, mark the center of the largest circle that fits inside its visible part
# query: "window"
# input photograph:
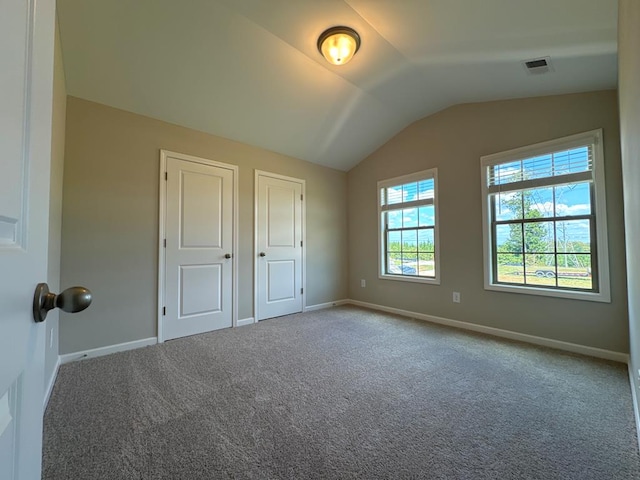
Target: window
(408, 214)
(544, 215)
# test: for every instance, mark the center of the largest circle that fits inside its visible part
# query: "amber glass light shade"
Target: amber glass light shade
(338, 45)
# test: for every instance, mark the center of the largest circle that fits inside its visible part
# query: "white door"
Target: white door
(279, 244)
(198, 273)
(26, 80)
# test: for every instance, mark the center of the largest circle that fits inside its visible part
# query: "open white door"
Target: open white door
(197, 268)
(279, 245)
(26, 77)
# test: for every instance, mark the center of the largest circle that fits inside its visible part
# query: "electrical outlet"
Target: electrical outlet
(363, 283)
(456, 297)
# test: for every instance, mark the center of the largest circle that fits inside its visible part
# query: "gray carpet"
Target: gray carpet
(341, 393)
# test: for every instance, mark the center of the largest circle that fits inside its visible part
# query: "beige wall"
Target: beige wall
(55, 203)
(629, 87)
(110, 219)
(453, 140)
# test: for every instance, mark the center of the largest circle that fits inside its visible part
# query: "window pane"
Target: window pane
(571, 161)
(574, 263)
(574, 199)
(573, 236)
(394, 219)
(409, 264)
(538, 237)
(509, 238)
(394, 260)
(410, 217)
(427, 216)
(540, 270)
(396, 257)
(508, 206)
(557, 163)
(409, 240)
(574, 271)
(426, 265)
(426, 189)
(409, 192)
(426, 241)
(506, 173)
(394, 195)
(537, 167)
(394, 241)
(581, 261)
(510, 268)
(538, 202)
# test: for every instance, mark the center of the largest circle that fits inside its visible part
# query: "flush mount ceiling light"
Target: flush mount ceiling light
(338, 44)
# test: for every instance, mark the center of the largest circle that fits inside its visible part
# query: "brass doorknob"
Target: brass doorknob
(72, 300)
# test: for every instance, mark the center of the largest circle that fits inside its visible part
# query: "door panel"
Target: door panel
(200, 287)
(201, 210)
(281, 278)
(26, 76)
(281, 216)
(279, 224)
(199, 233)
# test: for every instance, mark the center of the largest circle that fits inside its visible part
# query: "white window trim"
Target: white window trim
(593, 137)
(430, 173)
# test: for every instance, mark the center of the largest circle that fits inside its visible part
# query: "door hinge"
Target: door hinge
(300, 242)
(166, 175)
(302, 290)
(301, 197)
(164, 310)
(165, 243)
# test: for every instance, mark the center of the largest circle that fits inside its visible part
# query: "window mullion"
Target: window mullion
(405, 205)
(586, 216)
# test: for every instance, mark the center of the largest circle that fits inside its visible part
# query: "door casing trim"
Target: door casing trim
(164, 154)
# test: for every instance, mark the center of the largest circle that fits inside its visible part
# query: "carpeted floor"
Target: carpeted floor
(341, 393)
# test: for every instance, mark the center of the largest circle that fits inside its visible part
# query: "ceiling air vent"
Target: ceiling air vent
(538, 66)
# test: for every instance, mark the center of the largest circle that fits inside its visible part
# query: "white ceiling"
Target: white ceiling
(249, 70)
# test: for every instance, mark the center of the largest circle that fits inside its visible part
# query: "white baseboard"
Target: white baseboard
(52, 382)
(321, 306)
(498, 332)
(634, 399)
(245, 321)
(101, 351)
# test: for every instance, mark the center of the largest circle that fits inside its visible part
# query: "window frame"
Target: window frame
(428, 174)
(591, 138)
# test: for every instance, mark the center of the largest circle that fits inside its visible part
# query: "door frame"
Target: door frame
(164, 154)
(303, 183)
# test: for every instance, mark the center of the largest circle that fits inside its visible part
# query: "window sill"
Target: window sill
(603, 297)
(406, 278)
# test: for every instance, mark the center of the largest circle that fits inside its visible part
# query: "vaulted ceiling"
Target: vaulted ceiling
(249, 70)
